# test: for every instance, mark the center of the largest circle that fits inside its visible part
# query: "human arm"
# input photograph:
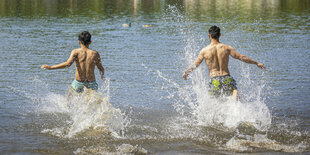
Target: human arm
(99, 66)
(68, 63)
(196, 63)
(244, 58)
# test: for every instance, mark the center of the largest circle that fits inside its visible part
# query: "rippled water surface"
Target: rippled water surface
(144, 106)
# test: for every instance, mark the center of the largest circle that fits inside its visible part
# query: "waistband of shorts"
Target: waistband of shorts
(220, 76)
(86, 81)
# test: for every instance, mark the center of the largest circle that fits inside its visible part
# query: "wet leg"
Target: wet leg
(235, 95)
(69, 94)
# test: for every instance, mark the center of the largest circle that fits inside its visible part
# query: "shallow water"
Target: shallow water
(153, 109)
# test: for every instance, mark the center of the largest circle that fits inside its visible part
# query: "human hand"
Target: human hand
(102, 76)
(184, 76)
(262, 66)
(45, 66)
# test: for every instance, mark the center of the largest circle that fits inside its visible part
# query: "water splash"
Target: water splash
(89, 110)
(246, 143)
(122, 149)
(198, 110)
(194, 95)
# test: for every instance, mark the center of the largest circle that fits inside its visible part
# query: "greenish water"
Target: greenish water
(154, 109)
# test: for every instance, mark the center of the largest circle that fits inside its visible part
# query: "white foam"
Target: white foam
(248, 143)
(198, 109)
(121, 149)
(88, 110)
(91, 110)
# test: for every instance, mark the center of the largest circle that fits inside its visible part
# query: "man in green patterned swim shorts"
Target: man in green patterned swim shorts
(217, 55)
(222, 86)
(85, 62)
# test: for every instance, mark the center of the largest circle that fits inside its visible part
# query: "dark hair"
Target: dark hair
(215, 32)
(85, 38)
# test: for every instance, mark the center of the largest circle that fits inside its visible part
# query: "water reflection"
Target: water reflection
(197, 8)
(138, 59)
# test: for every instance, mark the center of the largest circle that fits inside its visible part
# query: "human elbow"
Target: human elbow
(198, 62)
(243, 58)
(68, 64)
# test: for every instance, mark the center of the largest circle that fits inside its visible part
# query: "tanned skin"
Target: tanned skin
(217, 55)
(85, 61)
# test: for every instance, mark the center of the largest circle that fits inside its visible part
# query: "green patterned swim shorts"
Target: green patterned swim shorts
(222, 85)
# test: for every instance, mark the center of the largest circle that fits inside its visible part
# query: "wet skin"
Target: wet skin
(217, 55)
(85, 61)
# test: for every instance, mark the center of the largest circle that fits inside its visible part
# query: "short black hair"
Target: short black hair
(215, 32)
(85, 38)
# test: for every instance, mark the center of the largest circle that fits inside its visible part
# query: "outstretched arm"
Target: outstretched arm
(68, 63)
(192, 67)
(99, 66)
(244, 58)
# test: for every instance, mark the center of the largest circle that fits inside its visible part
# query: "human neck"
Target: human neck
(214, 41)
(83, 46)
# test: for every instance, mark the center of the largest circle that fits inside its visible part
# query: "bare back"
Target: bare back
(217, 55)
(217, 58)
(85, 62)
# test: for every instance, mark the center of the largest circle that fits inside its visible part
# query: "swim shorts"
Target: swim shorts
(78, 86)
(222, 85)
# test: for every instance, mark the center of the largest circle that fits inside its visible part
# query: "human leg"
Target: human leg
(235, 94)
(77, 86)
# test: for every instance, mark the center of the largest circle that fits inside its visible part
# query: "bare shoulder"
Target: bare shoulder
(222, 46)
(75, 51)
(227, 47)
(205, 50)
(92, 52)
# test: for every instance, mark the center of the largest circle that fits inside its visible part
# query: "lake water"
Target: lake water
(153, 110)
